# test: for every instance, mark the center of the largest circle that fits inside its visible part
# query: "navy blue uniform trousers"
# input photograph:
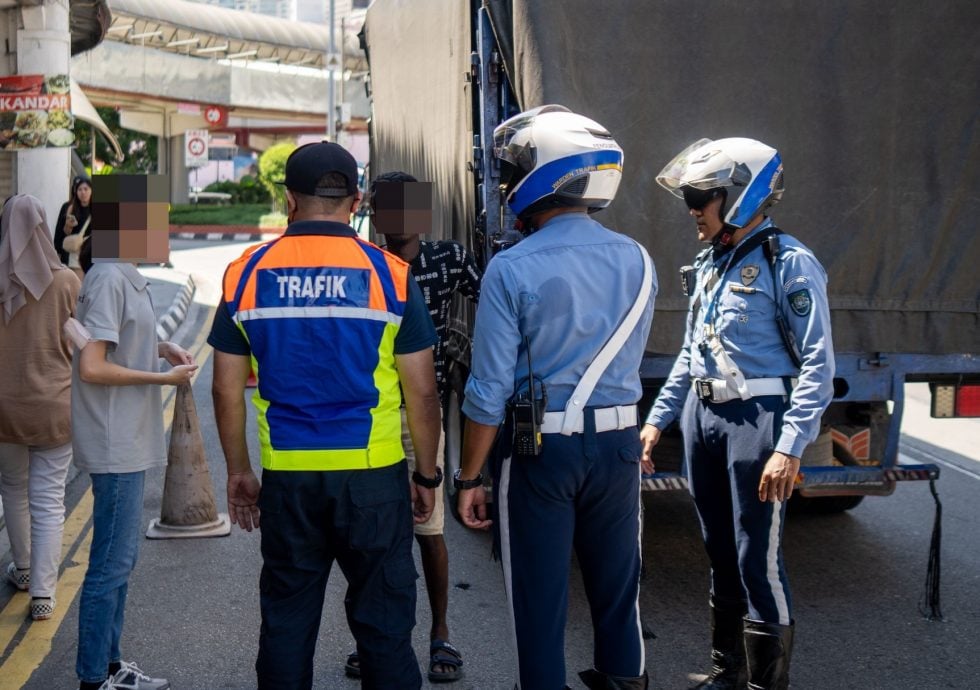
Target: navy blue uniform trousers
(727, 446)
(583, 491)
(363, 520)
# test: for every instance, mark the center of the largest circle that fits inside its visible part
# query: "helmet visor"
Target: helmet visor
(517, 155)
(703, 169)
(671, 177)
(511, 149)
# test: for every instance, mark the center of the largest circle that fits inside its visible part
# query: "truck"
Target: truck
(874, 107)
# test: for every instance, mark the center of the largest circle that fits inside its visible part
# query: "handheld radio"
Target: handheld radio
(528, 410)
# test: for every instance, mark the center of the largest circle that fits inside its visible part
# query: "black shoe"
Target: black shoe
(769, 648)
(352, 668)
(594, 680)
(727, 650)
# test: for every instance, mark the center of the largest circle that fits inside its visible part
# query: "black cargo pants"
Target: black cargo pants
(363, 520)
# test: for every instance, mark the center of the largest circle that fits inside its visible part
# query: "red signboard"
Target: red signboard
(35, 112)
(216, 116)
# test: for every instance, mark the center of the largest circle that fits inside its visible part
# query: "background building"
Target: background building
(312, 11)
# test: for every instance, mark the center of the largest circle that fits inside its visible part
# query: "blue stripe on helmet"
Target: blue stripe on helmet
(541, 182)
(759, 189)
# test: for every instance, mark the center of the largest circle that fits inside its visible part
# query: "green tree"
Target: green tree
(139, 149)
(272, 169)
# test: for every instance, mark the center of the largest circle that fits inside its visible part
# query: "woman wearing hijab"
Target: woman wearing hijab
(37, 296)
(74, 218)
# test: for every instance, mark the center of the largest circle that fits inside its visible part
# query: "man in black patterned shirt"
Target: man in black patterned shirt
(402, 212)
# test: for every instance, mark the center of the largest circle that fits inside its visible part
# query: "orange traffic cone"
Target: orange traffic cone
(189, 508)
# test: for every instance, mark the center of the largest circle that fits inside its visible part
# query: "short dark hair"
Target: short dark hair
(393, 176)
(322, 204)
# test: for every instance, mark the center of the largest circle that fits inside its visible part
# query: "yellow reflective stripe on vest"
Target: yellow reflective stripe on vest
(387, 415)
(378, 455)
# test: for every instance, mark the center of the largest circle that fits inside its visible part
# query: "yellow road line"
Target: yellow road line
(35, 646)
(17, 610)
(31, 650)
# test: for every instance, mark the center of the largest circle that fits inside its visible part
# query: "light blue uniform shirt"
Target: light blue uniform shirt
(567, 287)
(745, 319)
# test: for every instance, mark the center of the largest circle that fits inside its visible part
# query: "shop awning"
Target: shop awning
(83, 110)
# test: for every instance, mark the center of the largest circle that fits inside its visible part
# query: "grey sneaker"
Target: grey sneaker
(129, 677)
(19, 578)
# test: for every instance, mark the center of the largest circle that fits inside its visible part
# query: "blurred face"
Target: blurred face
(84, 194)
(402, 210)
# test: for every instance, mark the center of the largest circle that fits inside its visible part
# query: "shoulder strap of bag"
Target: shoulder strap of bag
(740, 253)
(575, 408)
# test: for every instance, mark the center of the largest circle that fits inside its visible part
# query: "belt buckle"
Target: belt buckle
(704, 389)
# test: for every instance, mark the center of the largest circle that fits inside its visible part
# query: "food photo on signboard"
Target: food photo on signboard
(35, 112)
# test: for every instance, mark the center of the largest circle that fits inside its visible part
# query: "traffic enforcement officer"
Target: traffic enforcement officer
(550, 304)
(751, 382)
(331, 325)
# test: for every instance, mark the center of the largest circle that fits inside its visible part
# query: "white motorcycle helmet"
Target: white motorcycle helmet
(749, 172)
(551, 157)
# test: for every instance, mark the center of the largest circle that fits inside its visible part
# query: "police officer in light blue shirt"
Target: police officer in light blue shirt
(751, 382)
(557, 297)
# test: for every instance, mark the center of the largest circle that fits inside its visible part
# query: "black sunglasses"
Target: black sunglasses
(697, 199)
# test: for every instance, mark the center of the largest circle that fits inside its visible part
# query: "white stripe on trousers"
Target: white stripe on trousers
(504, 515)
(505, 558)
(772, 565)
(639, 538)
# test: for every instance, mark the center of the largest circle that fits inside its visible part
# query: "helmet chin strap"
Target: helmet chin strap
(722, 242)
(724, 236)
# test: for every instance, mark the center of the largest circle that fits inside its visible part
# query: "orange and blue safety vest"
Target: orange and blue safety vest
(320, 313)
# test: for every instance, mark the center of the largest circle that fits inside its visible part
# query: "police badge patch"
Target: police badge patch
(800, 302)
(749, 274)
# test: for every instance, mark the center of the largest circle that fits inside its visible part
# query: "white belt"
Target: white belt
(718, 390)
(606, 419)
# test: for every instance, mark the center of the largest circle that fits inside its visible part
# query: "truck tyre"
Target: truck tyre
(822, 505)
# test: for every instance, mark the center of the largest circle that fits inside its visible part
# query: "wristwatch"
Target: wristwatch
(466, 483)
(425, 482)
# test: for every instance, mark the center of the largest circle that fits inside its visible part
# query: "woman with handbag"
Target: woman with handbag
(73, 222)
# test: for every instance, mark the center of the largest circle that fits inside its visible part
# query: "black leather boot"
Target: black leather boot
(769, 648)
(594, 680)
(727, 649)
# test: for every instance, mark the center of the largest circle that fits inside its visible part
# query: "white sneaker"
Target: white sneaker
(19, 578)
(129, 677)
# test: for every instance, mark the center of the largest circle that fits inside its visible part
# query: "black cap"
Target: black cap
(307, 164)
